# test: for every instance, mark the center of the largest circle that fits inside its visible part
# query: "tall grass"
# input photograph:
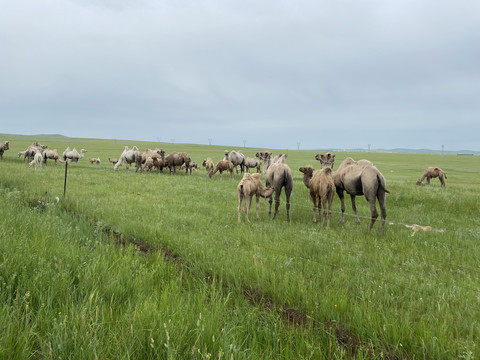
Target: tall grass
(412, 296)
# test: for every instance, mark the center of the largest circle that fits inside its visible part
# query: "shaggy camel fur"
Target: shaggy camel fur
(322, 189)
(326, 160)
(148, 164)
(73, 155)
(32, 150)
(208, 165)
(279, 175)
(361, 178)
(129, 156)
(154, 154)
(222, 165)
(176, 159)
(431, 173)
(237, 158)
(251, 185)
(3, 147)
(51, 154)
(252, 163)
(37, 160)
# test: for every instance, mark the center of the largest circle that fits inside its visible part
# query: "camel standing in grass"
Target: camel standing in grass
(95, 161)
(223, 165)
(237, 158)
(32, 150)
(361, 178)
(278, 175)
(154, 154)
(175, 159)
(129, 156)
(208, 165)
(37, 160)
(431, 173)
(3, 147)
(252, 163)
(322, 190)
(51, 154)
(113, 160)
(147, 166)
(73, 155)
(251, 185)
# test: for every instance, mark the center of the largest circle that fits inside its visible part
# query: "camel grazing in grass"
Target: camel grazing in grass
(431, 173)
(37, 160)
(175, 159)
(252, 163)
(113, 160)
(94, 161)
(279, 175)
(237, 158)
(322, 190)
(73, 155)
(51, 154)
(3, 147)
(154, 154)
(361, 178)
(251, 185)
(223, 165)
(129, 156)
(208, 164)
(326, 160)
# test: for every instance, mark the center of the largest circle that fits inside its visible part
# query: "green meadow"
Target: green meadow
(151, 265)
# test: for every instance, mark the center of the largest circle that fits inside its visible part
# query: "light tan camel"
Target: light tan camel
(94, 161)
(223, 165)
(251, 185)
(129, 156)
(322, 190)
(279, 175)
(252, 163)
(3, 147)
(361, 178)
(237, 158)
(431, 173)
(208, 165)
(51, 154)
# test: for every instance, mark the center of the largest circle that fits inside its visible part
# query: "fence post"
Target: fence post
(65, 183)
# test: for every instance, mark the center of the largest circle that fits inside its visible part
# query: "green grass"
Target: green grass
(397, 294)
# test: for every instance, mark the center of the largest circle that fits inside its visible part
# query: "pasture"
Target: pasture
(148, 265)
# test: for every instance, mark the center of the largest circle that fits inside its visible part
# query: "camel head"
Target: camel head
(327, 159)
(5, 146)
(83, 151)
(263, 155)
(307, 170)
(419, 182)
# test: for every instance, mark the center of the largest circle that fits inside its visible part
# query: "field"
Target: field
(148, 265)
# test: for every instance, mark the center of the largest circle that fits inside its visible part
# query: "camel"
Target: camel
(252, 163)
(251, 185)
(3, 147)
(361, 178)
(51, 154)
(73, 155)
(32, 150)
(37, 160)
(154, 154)
(113, 160)
(431, 173)
(326, 160)
(277, 174)
(129, 156)
(222, 166)
(237, 158)
(94, 161)
(176, 159)
(148, 164)
(208, 164)
(322, 188)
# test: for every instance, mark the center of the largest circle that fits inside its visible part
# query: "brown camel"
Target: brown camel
(431, 173)
(176, 159)
(223, 165)
(113, 160)
(322, 188)
(326, 160)
(154, 154)
(208, 165)
(251, 185)
(3, 147)
(279, 175)
(361, 178)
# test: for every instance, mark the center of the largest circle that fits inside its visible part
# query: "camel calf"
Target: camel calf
(251, 185)
(322, 189)
(431, 173)
(222, 166)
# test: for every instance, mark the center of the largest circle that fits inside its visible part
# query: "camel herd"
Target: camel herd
(357, 178)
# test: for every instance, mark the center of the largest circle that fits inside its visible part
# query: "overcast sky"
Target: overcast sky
(277, 74)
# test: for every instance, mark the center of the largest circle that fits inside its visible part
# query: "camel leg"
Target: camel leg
(247, 209)
(324, 206)
(313, 199)
(277, 202)
(240, 198)
(288, 191)
(329, 211)
(428, 180)
(256, 205)
(342, 200)
(354, 207)
(442, 182)
(374, 212)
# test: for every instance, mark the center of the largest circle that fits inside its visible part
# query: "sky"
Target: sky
(297, 74)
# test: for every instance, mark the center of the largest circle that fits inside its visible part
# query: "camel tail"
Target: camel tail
(381, 184)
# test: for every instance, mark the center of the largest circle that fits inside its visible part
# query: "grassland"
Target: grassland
(270, 289)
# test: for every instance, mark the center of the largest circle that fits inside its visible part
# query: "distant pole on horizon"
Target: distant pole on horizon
(210, 141)
(172, 140)
(244, 143)
(298, 145)
(159, 139)
(443, 148)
